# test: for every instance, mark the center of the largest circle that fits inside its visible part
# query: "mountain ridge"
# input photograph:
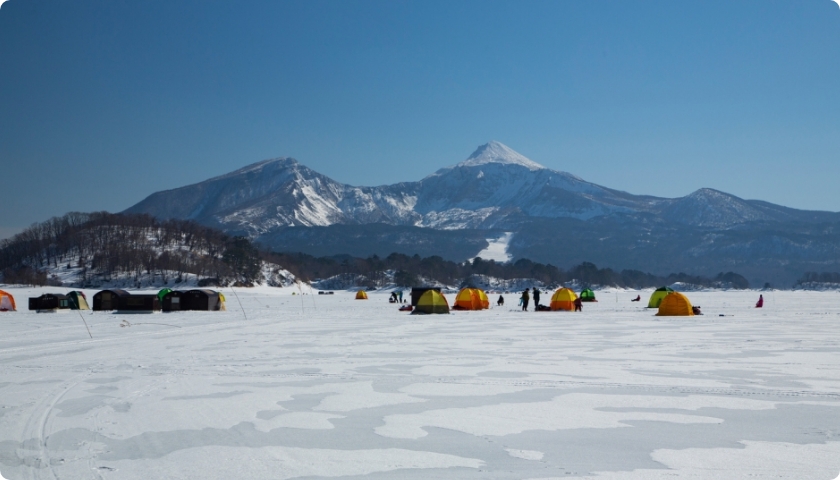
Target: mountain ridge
(499, 190)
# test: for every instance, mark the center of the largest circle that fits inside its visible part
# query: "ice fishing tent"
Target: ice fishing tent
(431, 302)
(49, 302)
(658, 295)
(108, 299)
(202, 300)
(361, 295)
(417, 292)
(469, 299)
(587, 295)
(147, 303)
(77, 300)
(485, 302)
(171, 300)
(162, 293)
(7, 302)
(563, 299)
(675, 304)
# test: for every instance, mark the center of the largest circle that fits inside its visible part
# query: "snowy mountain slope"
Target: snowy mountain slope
(492, 187)
(553, 216)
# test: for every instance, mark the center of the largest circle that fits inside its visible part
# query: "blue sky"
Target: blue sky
(104, 102)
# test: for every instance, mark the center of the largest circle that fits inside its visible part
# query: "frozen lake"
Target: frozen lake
(327, 386)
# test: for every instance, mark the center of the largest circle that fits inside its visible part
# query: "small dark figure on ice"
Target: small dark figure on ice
(536, 299)
(526, 297)
(501, 301)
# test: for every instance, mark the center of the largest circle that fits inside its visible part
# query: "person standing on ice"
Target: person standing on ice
(526, 297)
(760, 301)
(400, 296)
(536, 299)
(501, 301)
(578, 304)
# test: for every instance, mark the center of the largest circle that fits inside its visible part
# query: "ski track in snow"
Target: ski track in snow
(328, 386)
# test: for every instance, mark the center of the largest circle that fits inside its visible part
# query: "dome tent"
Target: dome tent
(77, 300)
(471, 299)
(587, 295)
(563, 299)
(657, 296)
(7, 302)
(431, 301)
(675, 304)
(361, 295)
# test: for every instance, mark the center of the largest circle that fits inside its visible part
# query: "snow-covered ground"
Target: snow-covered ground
(327, 386)
(497, 249)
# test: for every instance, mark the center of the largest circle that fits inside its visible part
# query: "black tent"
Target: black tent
(201, 300)
(125, 302)
(172, 301)
(109, 299)
(140, 303)
(49, 302)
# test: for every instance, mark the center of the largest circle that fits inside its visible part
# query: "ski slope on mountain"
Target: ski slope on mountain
(324, 386)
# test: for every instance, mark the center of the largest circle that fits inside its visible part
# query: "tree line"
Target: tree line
(411, 270)
(103, 245)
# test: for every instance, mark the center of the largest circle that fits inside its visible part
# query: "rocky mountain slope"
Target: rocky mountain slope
(499, 190)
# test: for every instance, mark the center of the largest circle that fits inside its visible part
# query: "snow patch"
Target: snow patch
(497, 250)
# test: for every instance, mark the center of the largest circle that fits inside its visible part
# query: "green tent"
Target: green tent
(587, 295)
(658, 295)
(77, 301)
(163, 293)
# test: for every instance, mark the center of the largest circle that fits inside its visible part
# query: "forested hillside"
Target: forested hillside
(101, 246)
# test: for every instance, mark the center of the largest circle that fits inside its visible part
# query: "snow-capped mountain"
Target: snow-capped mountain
(493, 187)
(550, 216)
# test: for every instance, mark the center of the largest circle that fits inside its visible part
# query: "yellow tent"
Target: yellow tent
(431, 302)
(563, 299)
(485, 302)
(7, 302)
(361, 295)
(675, 304)
(471, 299)
(222, 307)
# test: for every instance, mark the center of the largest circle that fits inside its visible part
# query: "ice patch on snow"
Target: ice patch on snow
(279, 463)
(566, 412)
(763, 460)
(497, 250)
(525, 454)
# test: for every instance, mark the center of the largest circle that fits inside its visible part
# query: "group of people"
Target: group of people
(396, 297)
(525, 299)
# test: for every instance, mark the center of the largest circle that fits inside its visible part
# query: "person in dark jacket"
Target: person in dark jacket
(526, 297)
(501, 301)
(578, 305)
(536, 299)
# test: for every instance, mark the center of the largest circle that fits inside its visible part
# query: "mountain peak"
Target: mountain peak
(496, 152)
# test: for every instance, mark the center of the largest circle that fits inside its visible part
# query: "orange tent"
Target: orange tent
(471, 299)
(485, 302)
(563, 299)
(675, 304)
(7, 302)
(361, 295)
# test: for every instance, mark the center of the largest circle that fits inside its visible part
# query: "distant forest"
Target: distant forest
(410, 269)
(104, 245)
